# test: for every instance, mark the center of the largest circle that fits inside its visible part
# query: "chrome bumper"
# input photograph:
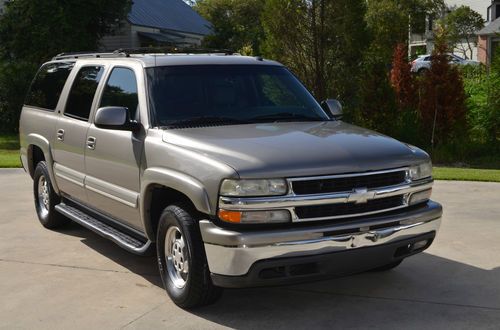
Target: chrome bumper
(232, 253)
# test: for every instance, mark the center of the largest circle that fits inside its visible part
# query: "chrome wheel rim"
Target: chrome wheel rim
(176, 256)
(43, 196)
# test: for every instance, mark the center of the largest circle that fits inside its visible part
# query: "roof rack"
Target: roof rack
(126, 52)
(174, 50)
(76, 55)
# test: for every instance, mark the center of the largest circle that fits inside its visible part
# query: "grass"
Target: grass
(9, 151)
(9, 157)
(466, 174)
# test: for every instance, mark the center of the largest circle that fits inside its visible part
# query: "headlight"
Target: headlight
(248, 188)
(421, 171)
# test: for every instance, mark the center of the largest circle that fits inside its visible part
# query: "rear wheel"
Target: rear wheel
(182, 260)
(46, 199)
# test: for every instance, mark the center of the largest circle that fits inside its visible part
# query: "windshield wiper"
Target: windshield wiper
(205, 121)
(286, 116)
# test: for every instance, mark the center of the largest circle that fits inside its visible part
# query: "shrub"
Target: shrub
(402, 80)
(442, 97)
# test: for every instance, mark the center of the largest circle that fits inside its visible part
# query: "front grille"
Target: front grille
(334, 210)
(341, 184)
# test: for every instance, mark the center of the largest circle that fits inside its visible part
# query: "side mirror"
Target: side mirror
(117, 118)
(333, 108)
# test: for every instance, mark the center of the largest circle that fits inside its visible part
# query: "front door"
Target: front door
(71, 133)
(112, 157)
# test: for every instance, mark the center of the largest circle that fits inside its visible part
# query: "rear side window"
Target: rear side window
(121, 91)
(82, 93)
(48, 84)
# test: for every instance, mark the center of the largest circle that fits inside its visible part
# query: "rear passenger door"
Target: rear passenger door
(112, 157)
(71, 132)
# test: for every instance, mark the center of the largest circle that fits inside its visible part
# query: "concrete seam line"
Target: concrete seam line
(394, 299)
(142, 315)
(74, 267)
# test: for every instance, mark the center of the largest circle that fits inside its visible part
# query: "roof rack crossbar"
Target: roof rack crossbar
(174, 50)
(76, 55)
(126, 52)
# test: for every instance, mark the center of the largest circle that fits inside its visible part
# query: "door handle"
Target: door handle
(91, 142)
(60, 134)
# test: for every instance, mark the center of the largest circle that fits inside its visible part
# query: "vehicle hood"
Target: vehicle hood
(296, 149)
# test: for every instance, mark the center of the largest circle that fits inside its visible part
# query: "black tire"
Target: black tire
(47, 215)
(387, 267)
(197, 289)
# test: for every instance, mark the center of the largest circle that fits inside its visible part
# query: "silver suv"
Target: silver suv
(226, 164)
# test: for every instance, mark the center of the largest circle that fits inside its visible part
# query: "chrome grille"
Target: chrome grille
(348, 183)
(325, 211)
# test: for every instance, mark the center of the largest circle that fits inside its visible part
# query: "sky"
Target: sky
(478, 5)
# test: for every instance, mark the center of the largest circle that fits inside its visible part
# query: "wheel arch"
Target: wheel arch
(38, 149)
(162, 187)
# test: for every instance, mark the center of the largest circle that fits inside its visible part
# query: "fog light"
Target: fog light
(420, 197)
(419, 245)
(255, 217)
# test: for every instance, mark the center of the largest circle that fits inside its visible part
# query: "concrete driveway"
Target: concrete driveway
(75, 279)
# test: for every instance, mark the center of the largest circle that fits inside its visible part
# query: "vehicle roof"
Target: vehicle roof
(154, 60)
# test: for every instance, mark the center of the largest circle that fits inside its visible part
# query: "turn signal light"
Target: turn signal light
(255, 217)
(230, 216)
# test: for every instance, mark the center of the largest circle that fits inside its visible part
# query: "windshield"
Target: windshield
(229, 94)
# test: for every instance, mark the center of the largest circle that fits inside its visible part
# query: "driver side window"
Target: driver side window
(121, 91)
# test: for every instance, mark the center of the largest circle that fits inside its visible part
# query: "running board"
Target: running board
(125, 241)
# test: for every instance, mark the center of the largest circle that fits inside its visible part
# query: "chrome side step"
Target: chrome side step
(124, 240)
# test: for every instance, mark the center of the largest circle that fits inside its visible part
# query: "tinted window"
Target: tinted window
(48, 85)
(229, 93)
(121, 91)
(82, 93)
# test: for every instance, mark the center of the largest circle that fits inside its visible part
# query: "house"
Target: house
(422, 38)
(489, 36)
(2, 6)
(157, 23)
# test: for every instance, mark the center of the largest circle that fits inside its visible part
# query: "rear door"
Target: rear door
(112, 157)
(71, 131)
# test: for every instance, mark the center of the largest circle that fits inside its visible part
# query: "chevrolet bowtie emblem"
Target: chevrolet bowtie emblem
(360, 196)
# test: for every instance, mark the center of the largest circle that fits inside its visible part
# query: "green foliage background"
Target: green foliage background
(340, 49)
(32, 31)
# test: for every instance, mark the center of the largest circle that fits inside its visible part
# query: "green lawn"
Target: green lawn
(9, 151)
(466, 174)
(9, 157)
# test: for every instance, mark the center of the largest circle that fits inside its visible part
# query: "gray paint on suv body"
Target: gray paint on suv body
(296, 149)
(122, 169)
(194, 161)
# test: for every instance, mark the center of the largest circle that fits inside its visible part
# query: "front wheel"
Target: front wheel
(182, 260)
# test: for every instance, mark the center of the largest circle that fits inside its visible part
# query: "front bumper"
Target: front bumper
(232, 254)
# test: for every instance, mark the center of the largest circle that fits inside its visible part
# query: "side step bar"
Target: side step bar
(125, 241)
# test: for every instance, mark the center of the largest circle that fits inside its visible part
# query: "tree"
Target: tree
(33, 31)
(402, 80)
(36, 30)
(236, 24)
(388, 25)
(321, 41)
(442, 102)
(389, 22)
(462, 24)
